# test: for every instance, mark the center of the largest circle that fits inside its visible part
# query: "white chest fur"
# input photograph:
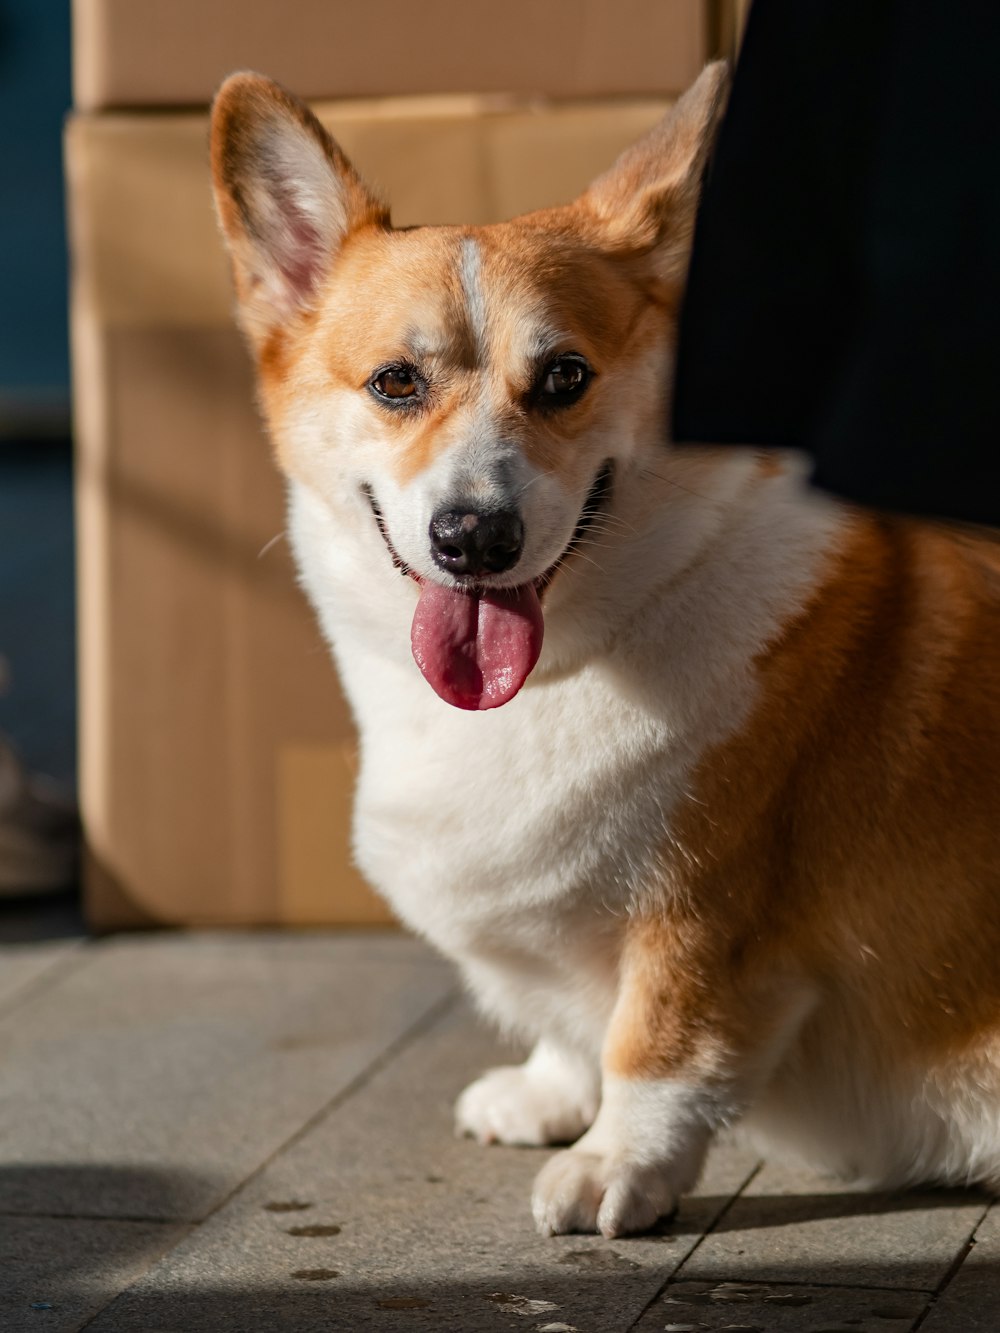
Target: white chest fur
(515, 839)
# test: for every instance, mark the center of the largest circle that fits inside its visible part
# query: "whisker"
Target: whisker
(649, 472)
(599, 546)
(579, 555)
(611, 529)
(267, 545)
(575, 548)
(612, 520)
(530, 482)
(614, 537)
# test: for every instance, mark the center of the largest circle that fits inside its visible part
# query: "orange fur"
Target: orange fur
(849, 835)
(830, 875)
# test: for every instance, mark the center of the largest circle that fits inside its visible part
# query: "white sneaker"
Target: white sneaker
(39, 831)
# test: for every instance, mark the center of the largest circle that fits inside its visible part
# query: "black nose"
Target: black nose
(466, 542)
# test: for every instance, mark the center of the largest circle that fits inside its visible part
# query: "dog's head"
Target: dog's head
(475, 393)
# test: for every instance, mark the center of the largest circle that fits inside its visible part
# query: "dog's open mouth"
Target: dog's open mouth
(476, 645)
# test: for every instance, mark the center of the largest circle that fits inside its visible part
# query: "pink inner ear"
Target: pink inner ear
(302, 251)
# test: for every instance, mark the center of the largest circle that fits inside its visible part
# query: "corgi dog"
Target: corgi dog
(694, 775)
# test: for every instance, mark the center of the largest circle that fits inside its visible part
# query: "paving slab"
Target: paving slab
(790, 1226)
(151, 1082)
(756, 1307)
(971, 1301)
(25, 966)
(379, 1218)
(58, 1272)
(236, 1133)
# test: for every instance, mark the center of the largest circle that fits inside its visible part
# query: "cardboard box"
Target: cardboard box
(216, 749)
(131, 53)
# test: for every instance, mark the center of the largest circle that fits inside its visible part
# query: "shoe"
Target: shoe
(39, 831)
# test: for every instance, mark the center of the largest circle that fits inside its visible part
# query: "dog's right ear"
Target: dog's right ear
(647, 200)
(286, 197)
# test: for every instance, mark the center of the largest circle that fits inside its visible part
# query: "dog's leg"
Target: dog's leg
(694, 1032)
(551, 1098)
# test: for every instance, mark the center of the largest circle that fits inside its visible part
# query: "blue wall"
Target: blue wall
(34, 97)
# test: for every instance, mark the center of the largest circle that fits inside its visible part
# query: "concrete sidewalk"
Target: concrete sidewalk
(252, 1132)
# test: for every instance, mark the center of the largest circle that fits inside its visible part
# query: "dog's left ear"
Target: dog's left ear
(286, 197)
(647, 200)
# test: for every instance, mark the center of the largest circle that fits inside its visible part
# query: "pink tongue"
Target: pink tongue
(476, 650)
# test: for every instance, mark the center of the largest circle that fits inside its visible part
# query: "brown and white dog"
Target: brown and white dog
(725, 844)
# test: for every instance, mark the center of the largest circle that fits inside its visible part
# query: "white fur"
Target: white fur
(486, 857)
(833, 1106)
(644, 1150)
(470, 270)
(519, 839)
(551, 1098)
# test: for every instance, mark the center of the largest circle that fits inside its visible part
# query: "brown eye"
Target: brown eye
(563, 381)
(396, 383)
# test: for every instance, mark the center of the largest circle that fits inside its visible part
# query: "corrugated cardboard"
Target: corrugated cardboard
(216, 749)
(203, 680)
(131, 53)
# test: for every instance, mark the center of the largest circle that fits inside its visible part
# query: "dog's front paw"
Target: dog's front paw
(587, 1191)
(522, 1104)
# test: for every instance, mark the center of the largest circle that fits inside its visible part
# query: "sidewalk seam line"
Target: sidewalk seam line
(751, 1175)
(953, 1269)
(424, 1024)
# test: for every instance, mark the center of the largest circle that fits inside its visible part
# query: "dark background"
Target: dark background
(37, 696)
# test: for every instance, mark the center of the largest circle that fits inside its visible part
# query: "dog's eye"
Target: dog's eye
(563, 381)
(396, 383)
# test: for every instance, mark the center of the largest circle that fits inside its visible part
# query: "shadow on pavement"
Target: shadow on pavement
(65, 1254)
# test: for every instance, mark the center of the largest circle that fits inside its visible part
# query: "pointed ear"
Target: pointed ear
(286, 197)
(647, 200)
